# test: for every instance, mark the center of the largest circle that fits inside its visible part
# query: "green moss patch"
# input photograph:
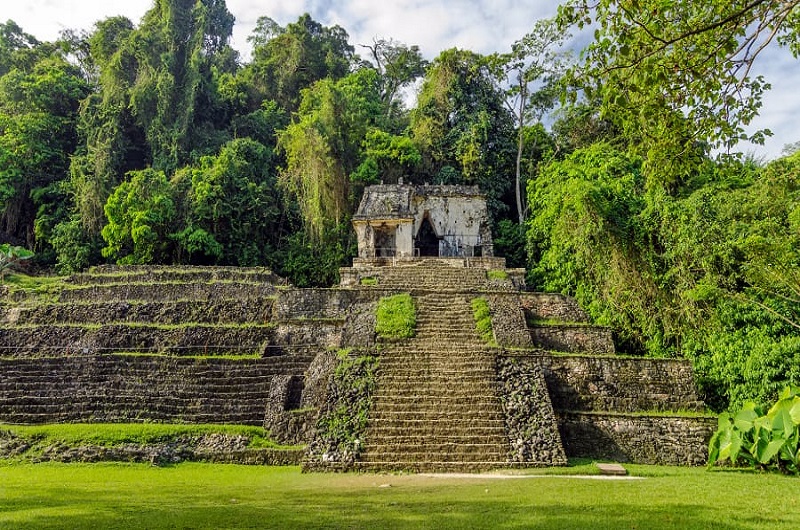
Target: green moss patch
(396, 317)
(483, 320)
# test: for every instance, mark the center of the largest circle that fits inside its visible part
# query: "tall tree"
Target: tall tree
(323, 146)
(398, 66)
(463, 128)
(287, 60)
(532, 70)
(38, 115)
(157, 103)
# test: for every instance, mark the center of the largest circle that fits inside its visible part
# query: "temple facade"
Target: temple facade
(406, 221)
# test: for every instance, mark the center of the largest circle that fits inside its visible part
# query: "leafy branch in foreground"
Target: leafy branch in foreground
(653, 62)
(11, 257)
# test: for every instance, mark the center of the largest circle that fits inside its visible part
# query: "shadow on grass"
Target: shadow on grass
(65, 509)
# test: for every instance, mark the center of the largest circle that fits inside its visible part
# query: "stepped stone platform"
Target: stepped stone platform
(237, 345)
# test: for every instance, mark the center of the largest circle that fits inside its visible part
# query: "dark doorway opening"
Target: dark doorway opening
(427, 240)
(294, 393)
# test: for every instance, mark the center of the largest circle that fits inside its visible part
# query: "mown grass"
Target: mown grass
(192, 495)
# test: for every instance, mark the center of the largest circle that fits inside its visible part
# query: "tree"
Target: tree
(233, 210)
(287, 60)
(398, 65)
(675, 76)
(532, 70)
(157, 103)
(462, 127)
(140, 215)
(323, 146)
(13, 43)
(38, 115)
(387, 157)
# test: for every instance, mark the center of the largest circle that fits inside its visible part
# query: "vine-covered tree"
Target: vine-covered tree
(462, 127)
(287, 60)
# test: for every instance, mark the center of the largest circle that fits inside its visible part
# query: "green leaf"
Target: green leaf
(771, 450)
(745, 418)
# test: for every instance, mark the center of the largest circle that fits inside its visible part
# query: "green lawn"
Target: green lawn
(227, 496)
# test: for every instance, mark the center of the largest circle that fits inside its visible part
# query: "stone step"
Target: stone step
(150, 274)
(455, 455)
(412, 396)
(429, 466)
(432, 414)
(157, 292)
(45, 340)
(391, 433)
(166, 312)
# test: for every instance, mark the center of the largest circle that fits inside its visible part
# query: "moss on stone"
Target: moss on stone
(396, 317)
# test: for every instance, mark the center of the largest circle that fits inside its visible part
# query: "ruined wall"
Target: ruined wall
(575, 339)
(651, 439)
(115, 388)
(461, 220)
(552, 306)
(508, 321)
(529, 418)
(586, 383)
(624, 409)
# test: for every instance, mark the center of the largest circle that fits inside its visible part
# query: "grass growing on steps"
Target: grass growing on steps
(115, 434)
(190, 495)
(497, 274)
(483, 320)
(40, 288)
(396, 317)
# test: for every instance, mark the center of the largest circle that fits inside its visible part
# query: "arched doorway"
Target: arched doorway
(427, 241)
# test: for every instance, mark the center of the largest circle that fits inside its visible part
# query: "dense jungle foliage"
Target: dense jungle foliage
(155, 143)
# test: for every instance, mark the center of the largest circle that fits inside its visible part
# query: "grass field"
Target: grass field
(195, 496)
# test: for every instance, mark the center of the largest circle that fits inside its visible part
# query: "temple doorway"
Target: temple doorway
(427, 241)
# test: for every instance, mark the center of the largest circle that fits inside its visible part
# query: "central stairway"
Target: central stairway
(436, 406)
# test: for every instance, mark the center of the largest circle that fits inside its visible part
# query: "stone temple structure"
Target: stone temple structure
(221, 345)
(402, 221)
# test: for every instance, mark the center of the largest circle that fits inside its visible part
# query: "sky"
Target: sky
(483, 26)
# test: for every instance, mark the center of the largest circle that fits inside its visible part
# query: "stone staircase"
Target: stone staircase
(429, 275)
(177, 344)
(436, 406)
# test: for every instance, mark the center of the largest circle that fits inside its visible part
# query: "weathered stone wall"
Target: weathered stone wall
(329, 318)
(573, 339)
(530, 421)
(508, 321)
(665, 440)
(297, 426)
(67, 340)
(99, 388)
(179, 312)
(166, 292)
(584, 383)
(552, 306)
